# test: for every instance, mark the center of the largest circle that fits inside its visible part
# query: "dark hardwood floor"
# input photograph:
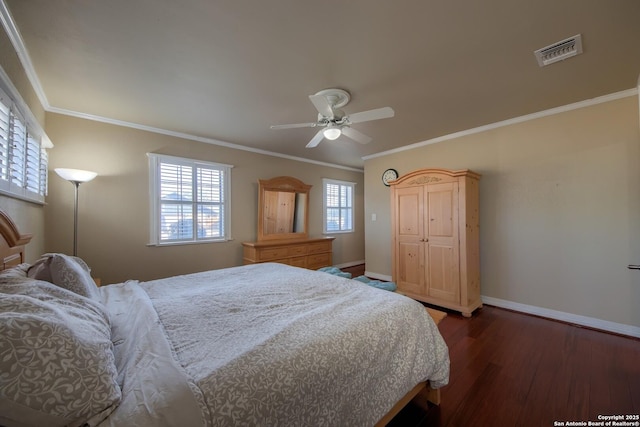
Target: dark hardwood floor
(513, 369)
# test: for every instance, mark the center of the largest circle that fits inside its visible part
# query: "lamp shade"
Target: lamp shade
(332, 132)
(75, 175)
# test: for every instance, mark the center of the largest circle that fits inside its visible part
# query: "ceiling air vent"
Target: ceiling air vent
(559, 51)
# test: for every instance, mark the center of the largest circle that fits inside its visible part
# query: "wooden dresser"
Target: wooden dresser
(311, 253)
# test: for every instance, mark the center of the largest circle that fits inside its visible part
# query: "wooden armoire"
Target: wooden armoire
(435, 237)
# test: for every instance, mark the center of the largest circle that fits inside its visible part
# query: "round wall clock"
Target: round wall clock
(389, 175)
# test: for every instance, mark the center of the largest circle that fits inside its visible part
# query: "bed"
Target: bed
(264, 344)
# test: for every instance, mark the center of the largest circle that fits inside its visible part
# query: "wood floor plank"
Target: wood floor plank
(471, 411)
(618, 372)
(579, 385)
(545, 371)
(513, 369)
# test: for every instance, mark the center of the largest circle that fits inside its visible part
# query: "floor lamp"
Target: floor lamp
(76, 177)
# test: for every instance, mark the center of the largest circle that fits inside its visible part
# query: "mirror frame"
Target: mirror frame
(287, 184)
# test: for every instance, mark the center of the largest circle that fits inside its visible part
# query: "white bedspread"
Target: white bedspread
(267, 345)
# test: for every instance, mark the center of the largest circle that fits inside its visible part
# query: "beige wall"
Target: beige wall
(11, 65)
(29, 217)
(560, 203)
(559, 209)
(114, 208)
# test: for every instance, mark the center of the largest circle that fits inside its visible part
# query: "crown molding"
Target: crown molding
(21, 50)
(14, 94)
(552, 111)
(190, 137)
(16, 39)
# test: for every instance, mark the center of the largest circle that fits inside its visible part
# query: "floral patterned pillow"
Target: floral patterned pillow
(66, 271)
(56, 357)
(16, 274)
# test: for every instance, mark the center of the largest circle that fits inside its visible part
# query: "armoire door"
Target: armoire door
(442, 242)
(435, 237)
(409, 234)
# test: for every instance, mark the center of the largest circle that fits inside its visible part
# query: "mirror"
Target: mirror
(283, 206)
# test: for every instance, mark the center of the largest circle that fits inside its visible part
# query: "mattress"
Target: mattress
(266, 344)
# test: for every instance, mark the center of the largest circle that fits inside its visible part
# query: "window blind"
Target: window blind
(23, 159)
(190, 200)
(338, 206)
(4, 139)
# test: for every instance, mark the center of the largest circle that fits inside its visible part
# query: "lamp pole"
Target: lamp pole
(75, 218)
(76, 177)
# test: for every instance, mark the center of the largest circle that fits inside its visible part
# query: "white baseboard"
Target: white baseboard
(378, 276)
(349, 264)
(590, 322)
(605, 325)
(370, 274)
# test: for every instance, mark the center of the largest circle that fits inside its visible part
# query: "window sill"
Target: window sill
(199, 242)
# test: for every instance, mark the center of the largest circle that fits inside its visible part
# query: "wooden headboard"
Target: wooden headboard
(12, 243)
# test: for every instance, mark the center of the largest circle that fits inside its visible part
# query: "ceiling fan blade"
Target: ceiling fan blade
(356, 135)
(322, 105)
(295, 125)
(316, 139)
(365, 116)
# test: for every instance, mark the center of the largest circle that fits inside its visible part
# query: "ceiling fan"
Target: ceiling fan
(334, 121)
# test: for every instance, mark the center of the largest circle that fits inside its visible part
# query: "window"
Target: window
(189, 200)
(23, 158)
(338, 206)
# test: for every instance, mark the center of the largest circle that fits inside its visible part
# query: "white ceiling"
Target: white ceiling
(227, 69)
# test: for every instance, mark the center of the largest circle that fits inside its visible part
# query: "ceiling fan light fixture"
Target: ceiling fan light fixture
(333, 122)
(332, 133)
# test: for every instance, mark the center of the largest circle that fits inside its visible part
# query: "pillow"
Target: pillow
(68, 272)
(15, 274)
(56, 357)
(40, 269)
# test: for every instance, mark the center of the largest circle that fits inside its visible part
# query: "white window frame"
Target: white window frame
(155, 163)
(326, 182)
(24, 160)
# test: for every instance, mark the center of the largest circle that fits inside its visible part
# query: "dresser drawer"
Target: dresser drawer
(305, 253)
(272, 253)
(314, 248)
(297, 250)
(300, 261)
(318, 260)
